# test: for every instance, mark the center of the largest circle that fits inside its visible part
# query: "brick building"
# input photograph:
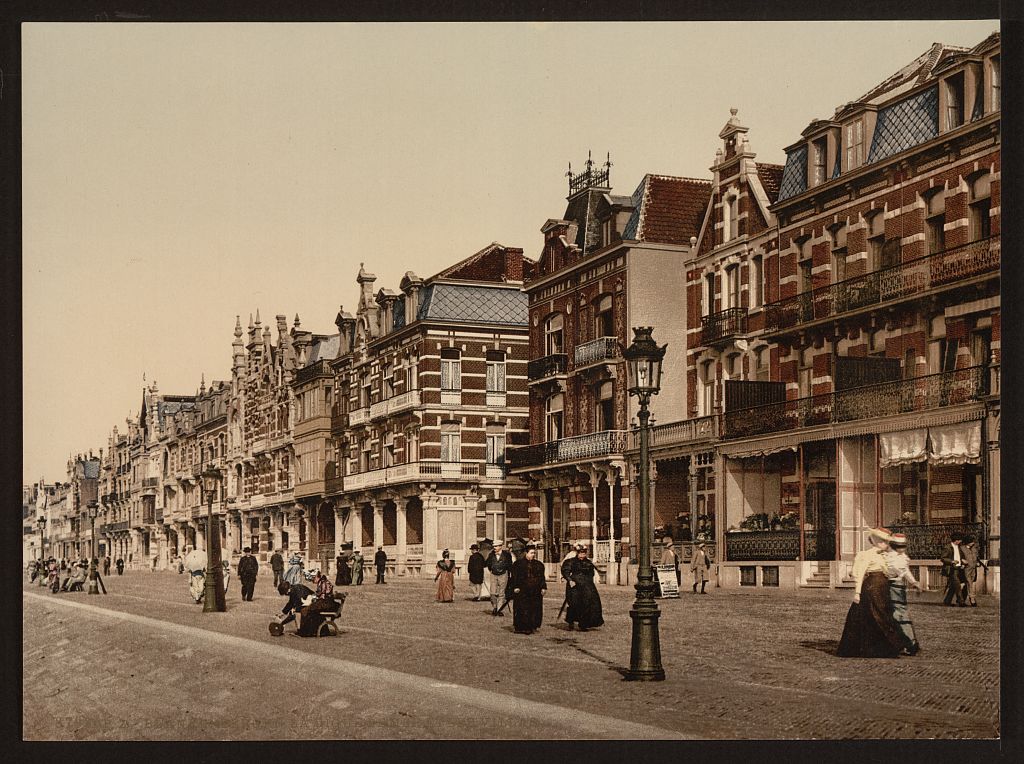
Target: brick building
(610, 263)
(848, 349)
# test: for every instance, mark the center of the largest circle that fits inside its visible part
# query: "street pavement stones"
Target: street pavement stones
(740, 664)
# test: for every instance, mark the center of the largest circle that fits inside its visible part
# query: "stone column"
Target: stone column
(378, 523)
(339, 529)
(356, 525)
(430, 550)
(401, 521)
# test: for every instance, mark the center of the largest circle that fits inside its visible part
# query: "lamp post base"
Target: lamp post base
(94, 584)
(645, 653)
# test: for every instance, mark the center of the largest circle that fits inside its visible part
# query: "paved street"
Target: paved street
(138, 662)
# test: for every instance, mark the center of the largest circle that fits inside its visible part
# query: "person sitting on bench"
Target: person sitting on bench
(76, 578)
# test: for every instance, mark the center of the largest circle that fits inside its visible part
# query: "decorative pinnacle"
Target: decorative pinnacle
(238, 327)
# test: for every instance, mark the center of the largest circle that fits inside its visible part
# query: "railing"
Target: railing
(548, 366)
(407, 400)
(903, 280)
(762, 545)
(113, 527)
(319, 368)
(379, 410)
(929, 542)
(723, 325)
(590, 446)
(425, 470)
(359, 416)
(925, 393)
(819, 545)
(595, 351)
(679, 433)
(588, 178)
(150, 482)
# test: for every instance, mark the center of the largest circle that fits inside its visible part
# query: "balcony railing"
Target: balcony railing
(762, 545)
(929, 542)
(339, 417)
(591, 446)
(549, 366)
(422, 470)
(407, 400)
(359, 416)
(150, 482)
(723, 325)
(679, 433)
(112, 527)
(596, 351)
(904, 280)
(379, 410)
(904, 396)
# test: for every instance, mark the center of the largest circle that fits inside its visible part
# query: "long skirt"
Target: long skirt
(344, 577)
(197, 585)
(528, 611)
(870, 631)
(900, 614)
(445, 586)
(293, 575)
(311, 618)
(584, 605)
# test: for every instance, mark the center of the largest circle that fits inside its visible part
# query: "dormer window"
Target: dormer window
(607, 227)
(954, 87)
(819, 161)
(854, 144)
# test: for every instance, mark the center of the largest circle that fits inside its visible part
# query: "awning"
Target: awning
(903, 447)
(955, 443)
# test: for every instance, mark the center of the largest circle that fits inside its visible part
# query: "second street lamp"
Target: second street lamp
(644, 358)
(93, 583)
(42, 549)
(213, 599)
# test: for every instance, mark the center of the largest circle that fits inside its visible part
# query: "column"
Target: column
(378, 523)
(356, 525)
(430, 550)
(535, 527)
(613, 566)
(579, 515)
(400, 535)
(339, 529)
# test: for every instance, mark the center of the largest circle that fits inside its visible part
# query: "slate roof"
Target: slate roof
(794, 174)
(325, 349)
(667, 209)
(91, 468)
(468, 302)
(398, 313)
(770, 176)
(904, 124)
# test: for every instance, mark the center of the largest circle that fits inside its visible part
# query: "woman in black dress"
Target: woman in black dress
(581, 594)
(528, 582)
(344, 572)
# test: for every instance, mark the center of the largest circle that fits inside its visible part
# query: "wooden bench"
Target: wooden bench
(329, 628)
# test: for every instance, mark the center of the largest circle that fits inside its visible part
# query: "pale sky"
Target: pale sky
(176, 175)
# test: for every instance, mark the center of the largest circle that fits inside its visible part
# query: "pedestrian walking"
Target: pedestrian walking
(195, 564)
(499, 562)
(669, 557)
(344, 575)
(529, 582)
(700, 565)
(475, 567)
(277, 565)
(248, 567)
(900, 577)
(294, 573)
(380, 561)
(969, 552)
(445, 578)
(106, 565)
(357, 568)
(119, 564)
(870, 630)
(953, 570)
(584, 603)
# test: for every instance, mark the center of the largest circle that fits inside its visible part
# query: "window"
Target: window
(605, 410)
(451, 369)
(730, 218)
(839, 253)
(910, 364)
(981, 347)
(553, 417)
(995, 83)
(935, 221)
(761, 364)
(707, 387)
(604, 325)
(732, 286)
(495, 520)
(387, 381)
(954, 87)
(389, 450)
(876, 239)
(733, 366)
(553, 339)
(496, 443)
(806, 373)
(981, 203)
(410, 375)
(819, 155)
(364, 390)
(451, 442)
(756, 281)
(606, 232)
(709, 293)
(495, 371)
(854, 144)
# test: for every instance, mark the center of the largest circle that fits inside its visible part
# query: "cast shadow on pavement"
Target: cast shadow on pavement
(827, 646)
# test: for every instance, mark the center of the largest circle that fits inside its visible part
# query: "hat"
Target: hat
(498, 543)
(581, 547)
(898, 539)
(474, 546)
(882, 534)
(247, 550)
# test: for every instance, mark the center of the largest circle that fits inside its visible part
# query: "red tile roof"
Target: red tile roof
(673, 209)
(770, 176)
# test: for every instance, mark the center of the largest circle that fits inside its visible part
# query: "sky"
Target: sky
(178, 175)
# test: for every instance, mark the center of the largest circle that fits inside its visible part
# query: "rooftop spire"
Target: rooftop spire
(590, 178)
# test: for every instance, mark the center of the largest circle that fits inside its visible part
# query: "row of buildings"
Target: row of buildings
(833, 330)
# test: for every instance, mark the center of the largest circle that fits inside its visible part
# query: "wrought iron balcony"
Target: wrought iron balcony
(593, 445)
(762, 545)
(929, 542)
(596, 351)
(544, 368)
(904, 396)
(915, 277)
(723, 326)
(679, 433)
(316, 369)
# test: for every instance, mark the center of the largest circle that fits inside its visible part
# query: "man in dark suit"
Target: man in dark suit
(277, 565)
(380, 561)
(247, 570)
(953, 569)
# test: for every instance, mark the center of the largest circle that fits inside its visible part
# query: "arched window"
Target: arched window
(553, 336)
(553, 417)
(981, 203)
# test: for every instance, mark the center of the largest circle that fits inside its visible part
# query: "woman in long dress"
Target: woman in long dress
(528, 581)
(581, 594)
(294, 573)
(445, 578)
(344, 576)
(870, 630)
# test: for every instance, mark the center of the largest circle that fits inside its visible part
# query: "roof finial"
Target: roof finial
(297, 322)
(257, 316)
(238, 326)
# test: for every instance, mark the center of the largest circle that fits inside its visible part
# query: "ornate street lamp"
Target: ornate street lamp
(94, 587)
(644, 359)
(213, 600)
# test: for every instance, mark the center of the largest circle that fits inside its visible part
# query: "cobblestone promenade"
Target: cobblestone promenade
(140, 662)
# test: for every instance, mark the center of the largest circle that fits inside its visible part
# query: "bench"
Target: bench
(329, 628)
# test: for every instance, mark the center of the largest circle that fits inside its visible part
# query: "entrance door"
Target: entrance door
(857, 496)
(820, 498)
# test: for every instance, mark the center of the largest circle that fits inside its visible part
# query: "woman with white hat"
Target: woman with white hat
(900, 578)
(870, 630)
